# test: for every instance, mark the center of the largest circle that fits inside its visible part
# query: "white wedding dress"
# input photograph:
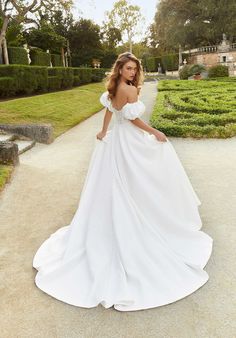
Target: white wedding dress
(135, 240)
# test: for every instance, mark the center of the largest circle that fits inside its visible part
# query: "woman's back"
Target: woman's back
(124, 94)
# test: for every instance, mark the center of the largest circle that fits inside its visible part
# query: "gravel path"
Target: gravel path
(43, 196)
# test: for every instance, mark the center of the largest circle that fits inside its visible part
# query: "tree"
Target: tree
(14, 34)
(127, 18)
(45, 38)
(85, 41)
(23, 11)
(61, 23)
(192, 24)
(111, 36)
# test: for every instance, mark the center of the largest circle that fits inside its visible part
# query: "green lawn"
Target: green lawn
(5, 173)
(196, 108)
(63, 109)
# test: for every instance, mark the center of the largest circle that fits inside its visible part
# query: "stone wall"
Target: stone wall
(42, 133)
(217, 58)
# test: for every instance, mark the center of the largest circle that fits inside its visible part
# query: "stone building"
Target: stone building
(222, 54)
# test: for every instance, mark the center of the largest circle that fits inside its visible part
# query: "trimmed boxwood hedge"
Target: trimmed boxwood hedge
(40, 58)
(56, 60)
(195, 109)
(7, 86)
(20, 79)
(27, 79)
(17, 55)
(169, 62)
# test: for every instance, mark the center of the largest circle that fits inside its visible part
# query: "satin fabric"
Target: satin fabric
(134, 241)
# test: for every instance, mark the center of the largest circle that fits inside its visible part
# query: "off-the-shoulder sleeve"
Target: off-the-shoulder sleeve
(133, 110)
(105, 101)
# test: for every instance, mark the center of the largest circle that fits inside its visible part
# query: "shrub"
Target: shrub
(54, 83)
(65, 75)
(17, 55)
(7, 86)
(20, 79)
(150, 64)
(77, 80)
(184, 72)
(85, 74)
(39, 58)
(98, 74)
(170, 61)
(218, 71)
(195, 109)
(27, 79)
(56, 60)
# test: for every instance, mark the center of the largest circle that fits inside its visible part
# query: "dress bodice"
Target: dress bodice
(129, 111)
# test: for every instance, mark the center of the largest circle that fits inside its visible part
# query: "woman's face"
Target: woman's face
(129, 70)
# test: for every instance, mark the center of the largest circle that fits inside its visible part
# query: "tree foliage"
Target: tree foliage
(127, 18)
(84, 36)
(25, 11)
(45, 38)
(192, 23)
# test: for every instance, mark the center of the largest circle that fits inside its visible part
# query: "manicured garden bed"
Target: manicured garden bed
(196, 108)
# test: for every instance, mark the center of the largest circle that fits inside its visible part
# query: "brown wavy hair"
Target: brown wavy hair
(113, 78)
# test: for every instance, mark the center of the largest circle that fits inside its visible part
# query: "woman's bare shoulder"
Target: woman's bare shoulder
(130, 92)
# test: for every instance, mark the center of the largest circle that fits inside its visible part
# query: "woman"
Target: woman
(135, 241)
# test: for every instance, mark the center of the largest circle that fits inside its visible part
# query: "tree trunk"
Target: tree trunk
(3, 49)
(5, 52)
(68, 53)
(180, 56)
(63, 57)
(130, 44)
(4, 29)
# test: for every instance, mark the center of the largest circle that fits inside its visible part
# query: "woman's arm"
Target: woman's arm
(106, 121)
(157, 133)
(133, 97)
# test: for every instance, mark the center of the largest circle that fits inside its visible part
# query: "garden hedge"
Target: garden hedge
(169, 62)
(195, 109)
(218, 71)
(39, 58)
(17, 55)
(21, 79)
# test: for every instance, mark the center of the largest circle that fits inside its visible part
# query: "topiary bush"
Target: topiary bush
(40, 58)
(150, 64)
(170, 61)
(17, 55)
(218, 71)
(56, 60)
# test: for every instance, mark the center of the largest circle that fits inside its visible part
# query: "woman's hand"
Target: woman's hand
(100, 135)
(160, 136)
